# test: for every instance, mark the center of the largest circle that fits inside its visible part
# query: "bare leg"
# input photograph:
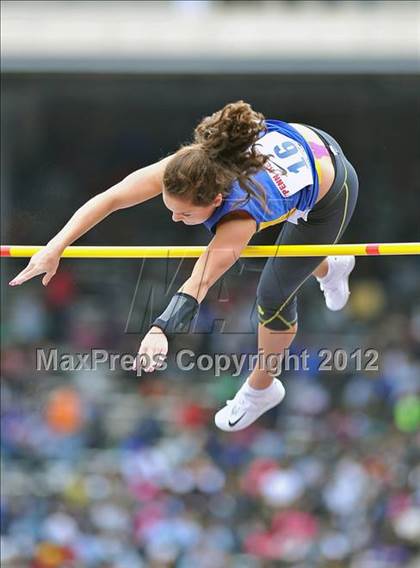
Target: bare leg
(322, 269)
(275, 342)
(269, 341)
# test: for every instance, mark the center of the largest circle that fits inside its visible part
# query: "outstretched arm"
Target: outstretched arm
(136, 188)
(232, 235)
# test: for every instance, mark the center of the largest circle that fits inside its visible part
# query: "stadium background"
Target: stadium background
(105, 469)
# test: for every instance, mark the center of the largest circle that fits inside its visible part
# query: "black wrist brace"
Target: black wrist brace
(178, 315)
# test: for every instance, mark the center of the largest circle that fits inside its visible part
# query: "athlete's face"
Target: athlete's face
(183, 210)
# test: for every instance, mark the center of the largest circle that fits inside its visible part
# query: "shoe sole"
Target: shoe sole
(345, 274)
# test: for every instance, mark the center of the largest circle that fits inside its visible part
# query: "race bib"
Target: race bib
(289, 166)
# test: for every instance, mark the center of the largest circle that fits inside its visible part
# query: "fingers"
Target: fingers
(149, 358)
(26, 274)
(152, 352)
(47, 278)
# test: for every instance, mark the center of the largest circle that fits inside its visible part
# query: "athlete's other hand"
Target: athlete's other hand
(153, 350)
(44, 261)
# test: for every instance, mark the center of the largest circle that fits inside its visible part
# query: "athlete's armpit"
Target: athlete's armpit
(235, 215)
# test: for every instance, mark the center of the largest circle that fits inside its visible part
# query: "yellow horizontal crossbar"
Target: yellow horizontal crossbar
(256, 251)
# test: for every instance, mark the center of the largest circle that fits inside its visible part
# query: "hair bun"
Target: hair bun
(223, 152)
(229, 133)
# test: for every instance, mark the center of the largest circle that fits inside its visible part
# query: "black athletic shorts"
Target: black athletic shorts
(326, 222)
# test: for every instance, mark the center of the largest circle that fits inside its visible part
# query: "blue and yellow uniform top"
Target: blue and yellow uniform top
(289, 178)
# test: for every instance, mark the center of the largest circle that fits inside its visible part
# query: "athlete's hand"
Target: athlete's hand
(153, 350)
(44, 261)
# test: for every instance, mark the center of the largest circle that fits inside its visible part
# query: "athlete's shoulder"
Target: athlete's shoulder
(285, 128)
(275, 122)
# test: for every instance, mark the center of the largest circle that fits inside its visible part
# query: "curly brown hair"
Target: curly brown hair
(223, 150)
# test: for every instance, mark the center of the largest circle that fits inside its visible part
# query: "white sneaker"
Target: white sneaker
(247, 406)
(335, 284)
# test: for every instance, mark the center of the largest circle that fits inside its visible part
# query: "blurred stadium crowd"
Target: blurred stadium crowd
(107, 470)
(104, 469)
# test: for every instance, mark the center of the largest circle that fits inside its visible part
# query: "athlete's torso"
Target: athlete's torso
(298, 174)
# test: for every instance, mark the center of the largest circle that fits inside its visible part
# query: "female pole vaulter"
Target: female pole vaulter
(241, 174)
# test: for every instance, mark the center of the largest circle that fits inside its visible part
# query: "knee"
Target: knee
(279, 314)
(277, 326)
